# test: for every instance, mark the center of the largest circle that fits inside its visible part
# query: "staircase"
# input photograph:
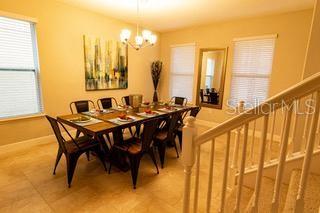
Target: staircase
(270, 160)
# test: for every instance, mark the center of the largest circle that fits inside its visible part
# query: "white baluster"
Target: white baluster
(242, 167)
(306, 128)
(295, 146)
(308, 157)
(274, 117)
(196, 189)
(188, 159)
(252, 143)
(209, 193)
(282, 158)
(260, 164)
(234, 164)
(225, 174)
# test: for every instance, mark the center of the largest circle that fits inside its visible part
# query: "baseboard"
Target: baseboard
(33, 142)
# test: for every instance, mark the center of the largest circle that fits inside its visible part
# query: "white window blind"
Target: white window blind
(19, 84)
(182, 71)
(252, 66)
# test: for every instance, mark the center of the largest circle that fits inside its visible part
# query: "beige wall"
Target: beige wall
(292, 28)
(60, 29)
(312, 64)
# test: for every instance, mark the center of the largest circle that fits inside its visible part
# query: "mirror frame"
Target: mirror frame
(223, 77)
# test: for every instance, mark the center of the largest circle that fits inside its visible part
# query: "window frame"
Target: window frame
(252, 75)
(36, 70)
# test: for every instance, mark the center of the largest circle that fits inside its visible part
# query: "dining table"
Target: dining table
(104, 122)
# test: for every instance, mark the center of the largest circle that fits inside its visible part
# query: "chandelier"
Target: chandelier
(145, 39)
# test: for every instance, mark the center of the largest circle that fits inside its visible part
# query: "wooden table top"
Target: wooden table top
(106, 126)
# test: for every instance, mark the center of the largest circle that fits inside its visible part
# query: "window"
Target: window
(252, 66)
(210, 73)
(19, 79)
(182, 71)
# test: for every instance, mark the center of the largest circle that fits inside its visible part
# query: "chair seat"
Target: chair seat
(132, 146)
(161, 135)
(84, 142)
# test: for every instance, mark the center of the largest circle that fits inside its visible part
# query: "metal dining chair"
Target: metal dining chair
(73, 148)
(135, 147)
(107, 103)
(179, 100)
(178, 132)
(125, 100)
(166, 135)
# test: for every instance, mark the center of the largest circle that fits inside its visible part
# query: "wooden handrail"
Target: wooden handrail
(300, 90)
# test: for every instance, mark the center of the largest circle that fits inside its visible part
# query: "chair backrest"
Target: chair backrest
(106, 103)
(149, 128)
(214, 97)
(174, 124)
(81, 106)
(55, 127)
(179, 100)
(125, 100)
(194, 112)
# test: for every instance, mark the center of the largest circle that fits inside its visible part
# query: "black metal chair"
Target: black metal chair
(73, 148)
(81, 106)
(179, 100)
(125, 100)
(165, 136)
(107, 103)
(134, 148)
(178, 132)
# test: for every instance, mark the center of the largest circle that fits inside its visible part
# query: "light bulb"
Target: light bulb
(146, 34)
(153, 39)
(139, 40)
(125, 35)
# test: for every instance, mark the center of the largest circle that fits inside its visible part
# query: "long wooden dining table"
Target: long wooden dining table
(103, 123)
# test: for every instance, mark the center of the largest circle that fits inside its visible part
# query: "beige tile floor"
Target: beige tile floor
(27, 183)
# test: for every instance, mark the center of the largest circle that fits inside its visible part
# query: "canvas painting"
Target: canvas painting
(106, 64)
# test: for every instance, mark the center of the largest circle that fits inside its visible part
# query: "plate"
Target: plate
(125, 120)
(81, 119)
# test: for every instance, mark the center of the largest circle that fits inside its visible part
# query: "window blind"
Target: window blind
(182, 71)
(19, 84)
(252, 66)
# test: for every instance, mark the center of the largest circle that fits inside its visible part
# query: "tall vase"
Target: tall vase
(155, 96)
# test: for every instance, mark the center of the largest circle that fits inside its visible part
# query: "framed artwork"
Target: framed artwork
(106, 64)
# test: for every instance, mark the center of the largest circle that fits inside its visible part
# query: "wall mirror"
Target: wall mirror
(211, 79)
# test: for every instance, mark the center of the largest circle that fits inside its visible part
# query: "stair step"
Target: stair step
(266, 195)
(231, 199)
(312, 195)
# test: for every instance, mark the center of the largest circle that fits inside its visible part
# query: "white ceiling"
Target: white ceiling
(165, 15)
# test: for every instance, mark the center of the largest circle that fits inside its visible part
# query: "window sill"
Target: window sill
(22, 117)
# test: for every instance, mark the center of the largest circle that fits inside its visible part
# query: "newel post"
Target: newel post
(188, 159)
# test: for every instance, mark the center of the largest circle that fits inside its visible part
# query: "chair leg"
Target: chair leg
(78, 133)
(134, 164)
(57, 160)
(130, 130)
(88, 155)
(175, 146)
(179, 134)
(151, 153)
(71, 165)
(162, 152)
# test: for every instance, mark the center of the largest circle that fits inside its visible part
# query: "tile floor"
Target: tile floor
(27, 183)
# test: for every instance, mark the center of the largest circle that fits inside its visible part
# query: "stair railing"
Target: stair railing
(192, 144)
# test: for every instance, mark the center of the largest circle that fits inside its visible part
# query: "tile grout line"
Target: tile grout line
(38, 191)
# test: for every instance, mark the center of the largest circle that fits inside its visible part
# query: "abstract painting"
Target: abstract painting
(106, 64)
